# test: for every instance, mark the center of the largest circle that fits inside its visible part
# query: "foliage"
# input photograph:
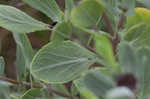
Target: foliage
(98, 49)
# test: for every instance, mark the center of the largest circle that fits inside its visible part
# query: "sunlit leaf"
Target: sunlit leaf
(104, 48)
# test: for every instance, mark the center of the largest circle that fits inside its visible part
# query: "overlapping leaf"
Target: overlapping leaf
(104, 48)
(61, 31)
(25, 47)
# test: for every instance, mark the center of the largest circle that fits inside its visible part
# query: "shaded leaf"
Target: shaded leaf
(48, 7)
(20, 61)
(25, 47)
(31, 93)
(63, 62)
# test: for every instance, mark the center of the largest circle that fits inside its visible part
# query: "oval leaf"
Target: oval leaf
(17, 21)
(61, 62)
(87, 13)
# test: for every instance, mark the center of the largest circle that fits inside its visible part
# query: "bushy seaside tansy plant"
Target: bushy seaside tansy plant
(98, 49)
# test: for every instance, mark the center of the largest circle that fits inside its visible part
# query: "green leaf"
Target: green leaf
(146, 3)
(61, 31)
(143, 56)
(69, 5)
(62, 62)
(31, 93)
(88, 94)
(48, 7)
(139, 28)
(120, 93)
(87, 13)
(20, 61)
(2, 66)
(60, 88)
(127, 58)
(96, 82)
(17, 21)
(104, 48)
(25, 46)
(4, 91)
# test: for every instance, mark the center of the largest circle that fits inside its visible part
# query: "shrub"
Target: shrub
(98, 49)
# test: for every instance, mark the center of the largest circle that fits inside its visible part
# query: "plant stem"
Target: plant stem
(121, 21)
(14, 82)
(109, 27)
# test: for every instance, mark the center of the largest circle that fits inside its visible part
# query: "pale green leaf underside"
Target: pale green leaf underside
(48, 7)
(61, 62)
(17, 21)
